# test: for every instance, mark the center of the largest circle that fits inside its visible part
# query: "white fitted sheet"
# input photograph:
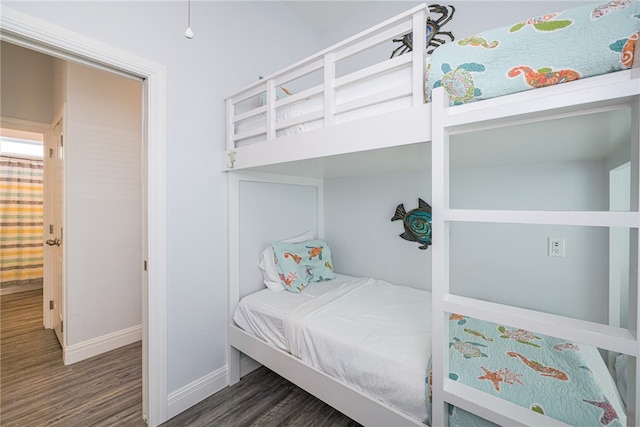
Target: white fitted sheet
(368, 333)
(262, 313)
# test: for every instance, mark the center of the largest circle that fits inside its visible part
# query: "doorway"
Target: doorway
(54, 267)
(29, 265)
(21, 209)
(30, 33)
(92, 222)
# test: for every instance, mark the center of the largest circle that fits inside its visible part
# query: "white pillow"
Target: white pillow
(268, 265)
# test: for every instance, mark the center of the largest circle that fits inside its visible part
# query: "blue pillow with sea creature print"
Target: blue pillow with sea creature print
(299, 264)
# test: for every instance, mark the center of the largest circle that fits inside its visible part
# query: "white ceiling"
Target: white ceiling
(323, 15)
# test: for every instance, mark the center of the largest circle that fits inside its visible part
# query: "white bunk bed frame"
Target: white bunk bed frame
(395, 129)
(343, 397)
(601, 93)
(433, 122)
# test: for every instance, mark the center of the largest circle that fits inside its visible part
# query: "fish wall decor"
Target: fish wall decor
(417, 223)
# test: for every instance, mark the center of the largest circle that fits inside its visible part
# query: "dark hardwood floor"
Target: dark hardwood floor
(261, 399)
(36, 389)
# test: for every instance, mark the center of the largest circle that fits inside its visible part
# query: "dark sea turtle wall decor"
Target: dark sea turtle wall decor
(417, 223)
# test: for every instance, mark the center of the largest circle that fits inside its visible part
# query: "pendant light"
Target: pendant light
(188, 32)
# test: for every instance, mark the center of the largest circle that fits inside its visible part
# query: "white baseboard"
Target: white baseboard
(196, 391)
(193, 393)
(84, 350)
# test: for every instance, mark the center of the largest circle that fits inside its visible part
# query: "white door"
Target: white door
(54, 230)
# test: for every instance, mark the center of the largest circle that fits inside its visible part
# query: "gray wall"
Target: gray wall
(269, 213)
(234, 43)
(501, 263)
(26, 91)
(103, 235)
(509, 263)
(365, 242)
(469, 18)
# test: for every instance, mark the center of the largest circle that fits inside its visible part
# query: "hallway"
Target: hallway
(36, 389)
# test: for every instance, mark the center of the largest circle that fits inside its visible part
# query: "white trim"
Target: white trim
(440, 176)
(619, 200)
(561, 102)
(364, 134)
(582, 331)
(24, 125)
(196, 391)
(583, 96)
(58, 324)
(39, 35)
(477, 402)
(356, 404)
(234, 361)
(579, 218)
(325, 63)
(95, 346)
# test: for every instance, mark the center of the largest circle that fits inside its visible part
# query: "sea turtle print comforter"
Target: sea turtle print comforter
(565, 380)
(546, 50)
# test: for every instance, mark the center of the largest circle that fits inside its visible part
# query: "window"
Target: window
(21, 144)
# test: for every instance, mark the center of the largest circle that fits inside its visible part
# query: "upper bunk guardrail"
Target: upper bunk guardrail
(577, 97)
(325, 62)
(599, 92)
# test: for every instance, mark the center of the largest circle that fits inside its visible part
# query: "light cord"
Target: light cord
(188, 32)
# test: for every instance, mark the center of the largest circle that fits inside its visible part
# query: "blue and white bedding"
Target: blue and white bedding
(376, 336)
(561, 379)
(555, 48)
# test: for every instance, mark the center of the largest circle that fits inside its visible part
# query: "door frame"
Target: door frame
(55, 211)
(35, 34)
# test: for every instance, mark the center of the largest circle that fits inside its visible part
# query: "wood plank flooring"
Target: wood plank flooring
(261, 399)
(36, 389)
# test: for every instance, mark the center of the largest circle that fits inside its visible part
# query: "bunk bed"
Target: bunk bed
(299, 138)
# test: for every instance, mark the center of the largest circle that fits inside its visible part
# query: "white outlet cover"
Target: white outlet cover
(556, 247)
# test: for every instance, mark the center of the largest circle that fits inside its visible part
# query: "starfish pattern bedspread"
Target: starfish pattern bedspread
(565, 380)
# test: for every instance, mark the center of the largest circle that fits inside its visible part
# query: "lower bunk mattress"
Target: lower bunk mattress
(376, 337)
(368, 333)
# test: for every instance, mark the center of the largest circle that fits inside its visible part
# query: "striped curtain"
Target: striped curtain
(21, 222)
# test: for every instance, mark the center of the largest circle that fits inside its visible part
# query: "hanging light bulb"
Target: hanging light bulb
(188, 32)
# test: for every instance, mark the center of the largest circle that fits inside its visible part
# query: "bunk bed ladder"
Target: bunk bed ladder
(440, 255)
(446, 391)
(634, 247)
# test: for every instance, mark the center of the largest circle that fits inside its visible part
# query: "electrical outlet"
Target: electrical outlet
(556, 247)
